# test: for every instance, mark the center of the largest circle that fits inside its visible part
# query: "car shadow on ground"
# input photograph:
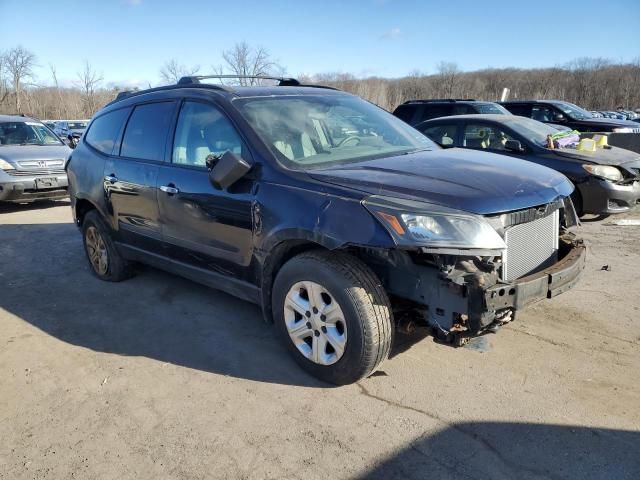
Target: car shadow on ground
(495, 450)
(10, 207)
(46, 282)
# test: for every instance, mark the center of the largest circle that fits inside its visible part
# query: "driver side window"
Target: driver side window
(485, 137)
(202, 131)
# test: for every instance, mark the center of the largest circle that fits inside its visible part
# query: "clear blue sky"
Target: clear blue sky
(129, 40)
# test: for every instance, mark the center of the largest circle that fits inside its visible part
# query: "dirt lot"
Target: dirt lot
(158, 377)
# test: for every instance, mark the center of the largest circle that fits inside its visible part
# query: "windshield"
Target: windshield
(573, 111)
(534, 131)
(492, 108)
(76, 125)
(306, 132)
(26, 133)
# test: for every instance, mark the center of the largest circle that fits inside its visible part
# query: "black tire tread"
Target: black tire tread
(119, 268)
(369, 298)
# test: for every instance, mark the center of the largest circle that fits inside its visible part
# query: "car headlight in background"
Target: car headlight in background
(604, 171)
(4, 165)
(422, 224)
(623, 130)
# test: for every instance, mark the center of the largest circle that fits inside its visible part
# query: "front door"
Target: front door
(202, 226)
(130, 177)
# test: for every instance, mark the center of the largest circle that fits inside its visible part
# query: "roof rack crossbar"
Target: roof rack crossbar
(283, 81)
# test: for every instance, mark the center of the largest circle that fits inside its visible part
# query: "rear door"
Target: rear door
(130, 175)
(201, 226)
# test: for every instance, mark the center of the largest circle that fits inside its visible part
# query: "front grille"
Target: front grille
(35, 172)
(531, 246)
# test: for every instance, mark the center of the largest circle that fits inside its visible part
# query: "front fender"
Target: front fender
(329, 220)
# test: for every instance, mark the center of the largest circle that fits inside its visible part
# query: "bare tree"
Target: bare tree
(244, 60)
(4, 85)
(19, 63)
(448, 73)
(172, 71)
(88, 82)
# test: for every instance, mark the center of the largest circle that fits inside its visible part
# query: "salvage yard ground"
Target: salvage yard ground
(158, 377)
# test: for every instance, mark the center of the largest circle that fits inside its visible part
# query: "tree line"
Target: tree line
(594, 83)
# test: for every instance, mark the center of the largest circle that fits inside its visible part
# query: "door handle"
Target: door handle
(168, 189)
(111, 178)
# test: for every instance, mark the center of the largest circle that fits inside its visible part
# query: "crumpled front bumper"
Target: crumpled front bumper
(548, 283)
(469, 299)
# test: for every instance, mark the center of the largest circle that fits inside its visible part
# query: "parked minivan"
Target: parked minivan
(335, 217)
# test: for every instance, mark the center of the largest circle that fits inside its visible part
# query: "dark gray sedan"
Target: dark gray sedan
(32, 161)
(607, 180)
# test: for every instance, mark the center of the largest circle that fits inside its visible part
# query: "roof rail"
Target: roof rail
(282, 81)
(433, 100)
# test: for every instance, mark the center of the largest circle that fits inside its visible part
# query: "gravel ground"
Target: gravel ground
(158, 377)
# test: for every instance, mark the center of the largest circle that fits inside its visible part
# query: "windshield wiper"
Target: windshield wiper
(418, 151)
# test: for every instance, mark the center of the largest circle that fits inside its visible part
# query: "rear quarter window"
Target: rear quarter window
(104, 130)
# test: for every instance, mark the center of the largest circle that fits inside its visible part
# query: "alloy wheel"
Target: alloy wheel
(315, 323)
(96, 250)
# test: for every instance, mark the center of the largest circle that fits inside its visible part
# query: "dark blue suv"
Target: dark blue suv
(338, 219)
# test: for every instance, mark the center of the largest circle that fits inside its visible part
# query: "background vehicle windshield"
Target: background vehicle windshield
(534, 131)
(574, 111)
(77, 125)
(26, 133)
(492, 108)
(307, 132)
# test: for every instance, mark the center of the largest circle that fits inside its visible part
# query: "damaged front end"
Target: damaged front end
(463, 291)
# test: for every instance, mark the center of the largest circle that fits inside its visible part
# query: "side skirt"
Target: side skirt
(232, 286)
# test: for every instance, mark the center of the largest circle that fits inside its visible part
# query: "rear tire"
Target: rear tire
(105, 261)
(354, 337)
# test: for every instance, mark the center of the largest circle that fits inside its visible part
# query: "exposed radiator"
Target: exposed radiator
(531, 246)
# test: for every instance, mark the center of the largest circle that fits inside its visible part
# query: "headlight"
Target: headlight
(604, 171)
(4, 165)
(623, 130)
(423, 224)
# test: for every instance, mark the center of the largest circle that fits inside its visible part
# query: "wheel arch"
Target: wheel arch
(280, 254)
(82, 207)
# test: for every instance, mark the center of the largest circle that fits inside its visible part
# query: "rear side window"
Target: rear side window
(104, 130)
(462, 109)
(146, 134)
(435, 111)
(522, 110)
(405, 112)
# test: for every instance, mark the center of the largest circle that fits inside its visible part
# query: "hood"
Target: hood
(608, 122)
(19, 153)
(602, 156)
(476, 182)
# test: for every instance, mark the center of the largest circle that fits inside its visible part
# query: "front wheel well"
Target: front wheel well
(281, 254)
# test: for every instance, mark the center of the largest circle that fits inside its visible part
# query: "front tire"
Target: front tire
(333, 315)
(105, 261)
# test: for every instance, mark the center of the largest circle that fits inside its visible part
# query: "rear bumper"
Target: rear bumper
(26, 189)
(604, 197)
